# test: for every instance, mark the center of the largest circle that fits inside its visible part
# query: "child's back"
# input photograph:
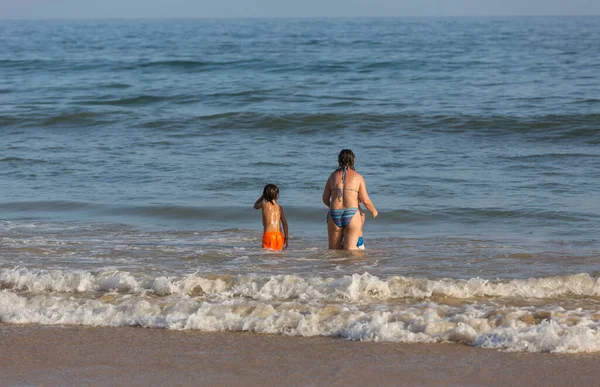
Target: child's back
(271, 217)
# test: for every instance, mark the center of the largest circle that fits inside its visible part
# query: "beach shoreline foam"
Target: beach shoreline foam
(76, 355)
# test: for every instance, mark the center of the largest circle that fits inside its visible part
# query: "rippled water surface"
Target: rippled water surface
(132, 152)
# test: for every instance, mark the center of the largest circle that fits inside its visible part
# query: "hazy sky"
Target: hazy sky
(36, 9)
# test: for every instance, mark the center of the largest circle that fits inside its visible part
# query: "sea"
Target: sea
(132, 152)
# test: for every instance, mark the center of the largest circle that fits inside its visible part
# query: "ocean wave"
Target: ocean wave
(548, 328)
(52, 205)
(72, 118)
(116, 85)
(543, 128)
(8, 120)
(313, 214)
(356, 288)
(127, 101)
(192, 64)
(553, 156)
(481, 214)
(549, 127)
(24, 161)
(23, 64)
(61, 64)
(185, 63)
(174, 212)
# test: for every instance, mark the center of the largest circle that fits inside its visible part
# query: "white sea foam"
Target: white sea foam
(549, 329)
(357, 307)
(354, 288)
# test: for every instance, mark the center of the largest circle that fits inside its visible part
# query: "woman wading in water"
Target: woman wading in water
(343, 190)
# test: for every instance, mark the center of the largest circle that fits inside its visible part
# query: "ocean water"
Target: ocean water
(132, 151)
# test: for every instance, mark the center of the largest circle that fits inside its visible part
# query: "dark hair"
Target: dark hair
(346, 159)
(270, 193)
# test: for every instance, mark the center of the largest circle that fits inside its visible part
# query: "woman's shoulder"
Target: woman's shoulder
(355, 174)
(333, 175)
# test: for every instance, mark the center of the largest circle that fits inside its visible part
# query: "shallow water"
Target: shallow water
(132, 152)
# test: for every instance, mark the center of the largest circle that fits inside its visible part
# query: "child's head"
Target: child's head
(270, 193)
(346, 159)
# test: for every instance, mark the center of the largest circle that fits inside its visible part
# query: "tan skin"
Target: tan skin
(350, 198)
(273, 217)
(363, 217)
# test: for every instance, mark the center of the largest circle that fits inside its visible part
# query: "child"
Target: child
(361, 242)
(273, 218)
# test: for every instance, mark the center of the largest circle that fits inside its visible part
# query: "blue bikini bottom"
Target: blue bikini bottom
(342, 218)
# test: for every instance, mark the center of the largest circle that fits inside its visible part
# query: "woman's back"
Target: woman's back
(344, 192)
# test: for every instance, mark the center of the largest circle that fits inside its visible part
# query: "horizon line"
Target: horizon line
(285, 17)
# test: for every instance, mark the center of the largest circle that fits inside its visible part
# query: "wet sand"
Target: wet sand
(73, 355)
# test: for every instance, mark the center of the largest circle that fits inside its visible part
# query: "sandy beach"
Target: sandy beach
(72, 355)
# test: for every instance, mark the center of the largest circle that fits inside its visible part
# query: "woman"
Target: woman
(343, 190)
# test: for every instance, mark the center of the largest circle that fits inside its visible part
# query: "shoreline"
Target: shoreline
(78, 355)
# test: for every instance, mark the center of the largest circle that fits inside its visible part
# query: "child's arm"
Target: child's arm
(259, 203)
(285, 227)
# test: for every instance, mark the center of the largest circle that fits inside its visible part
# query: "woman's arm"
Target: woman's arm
(363, 195)
(327, 194)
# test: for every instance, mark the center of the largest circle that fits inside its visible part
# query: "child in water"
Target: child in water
(273, 219)
(361, 242)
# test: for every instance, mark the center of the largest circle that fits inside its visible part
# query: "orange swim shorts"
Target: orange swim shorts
(272, 240)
